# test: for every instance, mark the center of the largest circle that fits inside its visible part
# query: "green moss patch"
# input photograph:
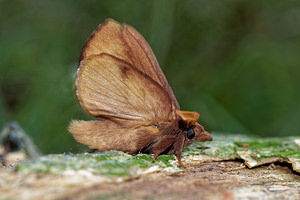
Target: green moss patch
(107, 163)
(254, 150)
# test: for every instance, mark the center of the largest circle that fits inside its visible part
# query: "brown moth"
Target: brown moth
(119, 82)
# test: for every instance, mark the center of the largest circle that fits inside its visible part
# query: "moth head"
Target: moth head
(188, 122)
(201, 135)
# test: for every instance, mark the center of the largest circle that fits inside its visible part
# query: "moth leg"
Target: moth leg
(178, 146)
(179, 160)
(155, 156)
(161, 145)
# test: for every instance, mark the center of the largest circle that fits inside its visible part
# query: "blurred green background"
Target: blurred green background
(234, 61)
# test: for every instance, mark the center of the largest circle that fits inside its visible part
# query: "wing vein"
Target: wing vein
(124, 85)
(123, 96)
(106, 88)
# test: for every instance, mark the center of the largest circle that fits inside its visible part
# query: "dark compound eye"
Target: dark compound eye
(190, 133)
